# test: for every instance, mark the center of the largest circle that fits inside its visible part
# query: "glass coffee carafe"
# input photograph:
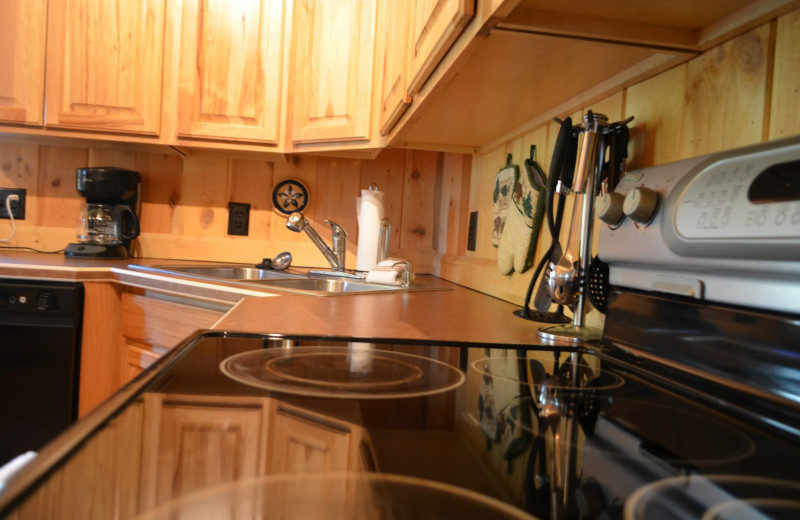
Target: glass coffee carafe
(107, 224)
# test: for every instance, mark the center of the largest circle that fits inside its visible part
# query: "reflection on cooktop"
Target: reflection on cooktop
(357, 372)
(334, 496)
(715, 497)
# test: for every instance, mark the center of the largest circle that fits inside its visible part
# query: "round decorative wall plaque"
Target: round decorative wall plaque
(288, 196)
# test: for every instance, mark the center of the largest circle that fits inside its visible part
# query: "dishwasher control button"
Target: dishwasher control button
(23, 300)
(46, 301)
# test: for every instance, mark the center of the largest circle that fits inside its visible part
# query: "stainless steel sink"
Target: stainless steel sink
(230, 272)
(291, 280)
(222, 272)
(331, 286)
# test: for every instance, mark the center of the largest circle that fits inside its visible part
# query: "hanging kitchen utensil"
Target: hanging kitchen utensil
(561, 174)
(562, 168)
(591, 402)
(504, 183)
(521, 231)
(597, 284)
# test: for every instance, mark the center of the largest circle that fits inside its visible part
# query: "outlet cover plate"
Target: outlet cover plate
(238, 218)
(17, 207)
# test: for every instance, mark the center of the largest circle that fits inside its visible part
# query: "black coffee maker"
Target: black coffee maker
(108, 221)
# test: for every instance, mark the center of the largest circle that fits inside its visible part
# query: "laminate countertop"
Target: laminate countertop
(451, 314)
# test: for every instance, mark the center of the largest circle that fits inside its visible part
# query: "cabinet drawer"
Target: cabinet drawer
(162, 324)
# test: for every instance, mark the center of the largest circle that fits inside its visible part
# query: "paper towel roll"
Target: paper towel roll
(370, 212)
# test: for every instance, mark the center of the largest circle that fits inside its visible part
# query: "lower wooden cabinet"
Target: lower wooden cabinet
(191, 442)
(100, 481)
(306, 442)
(151, 326)
(126, 329)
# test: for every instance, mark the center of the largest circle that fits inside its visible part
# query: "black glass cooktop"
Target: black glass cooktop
(243, 424)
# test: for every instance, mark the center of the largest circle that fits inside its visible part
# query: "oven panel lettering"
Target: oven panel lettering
(718, 204)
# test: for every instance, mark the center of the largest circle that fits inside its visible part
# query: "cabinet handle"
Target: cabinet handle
(313, 419)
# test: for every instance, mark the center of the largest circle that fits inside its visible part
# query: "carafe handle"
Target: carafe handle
(134, 223)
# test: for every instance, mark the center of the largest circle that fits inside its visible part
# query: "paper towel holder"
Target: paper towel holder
(383, 240)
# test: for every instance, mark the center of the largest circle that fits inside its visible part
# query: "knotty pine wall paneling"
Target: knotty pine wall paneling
(784, 116)
(740, 92)
(184, 201)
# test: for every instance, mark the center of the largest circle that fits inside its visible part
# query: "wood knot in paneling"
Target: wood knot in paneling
(749, 52)
(206, 217)
(418, 231)
(56, 183)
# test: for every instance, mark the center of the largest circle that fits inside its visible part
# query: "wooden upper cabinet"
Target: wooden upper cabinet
(333, 49)
(104, 65)
(231, 64)
(435, 25)
(22, 43)
(393, 62)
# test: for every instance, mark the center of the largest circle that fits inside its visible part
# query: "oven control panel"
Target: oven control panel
(723, 227)
(753, 197)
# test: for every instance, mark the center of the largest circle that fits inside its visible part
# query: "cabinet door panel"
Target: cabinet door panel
(305, 443)
(435, 25)
(205, 445)
(333, 53)
(231, 69)
(22, 43)
(393, 28)
(104, 61)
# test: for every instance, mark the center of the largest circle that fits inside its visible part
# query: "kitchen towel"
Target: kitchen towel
(524, 219)
(369, 212)
(391, 271)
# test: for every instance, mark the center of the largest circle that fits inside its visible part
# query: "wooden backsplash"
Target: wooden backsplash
(184, 211)
(742, 92)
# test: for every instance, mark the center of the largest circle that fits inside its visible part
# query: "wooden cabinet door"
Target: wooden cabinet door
(104, 65)
(22, 43)
(435, 25)
(231, 64)
(199, 444)
(101, 480)
(333, 49)
(393, 62)
(304, 442)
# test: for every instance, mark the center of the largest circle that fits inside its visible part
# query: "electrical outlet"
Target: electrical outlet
(17, 207)
(238, 218)
(472, 232)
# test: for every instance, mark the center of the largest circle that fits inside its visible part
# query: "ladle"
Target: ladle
(282, 261)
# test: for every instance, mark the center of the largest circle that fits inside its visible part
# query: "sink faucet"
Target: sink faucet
(297, 223)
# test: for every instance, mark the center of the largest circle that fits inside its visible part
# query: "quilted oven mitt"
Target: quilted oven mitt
(521, 230)
(504, 183)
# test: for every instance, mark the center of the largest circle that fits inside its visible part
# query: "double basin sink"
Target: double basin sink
(290, 280)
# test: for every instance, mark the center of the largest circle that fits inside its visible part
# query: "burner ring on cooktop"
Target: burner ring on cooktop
(335, 496)
(401, 372)
(715, 497)
(343, 372)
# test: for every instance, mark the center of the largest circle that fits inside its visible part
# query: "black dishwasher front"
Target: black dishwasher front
(40, 332)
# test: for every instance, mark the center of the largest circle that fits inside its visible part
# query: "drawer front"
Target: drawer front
(162, 324)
